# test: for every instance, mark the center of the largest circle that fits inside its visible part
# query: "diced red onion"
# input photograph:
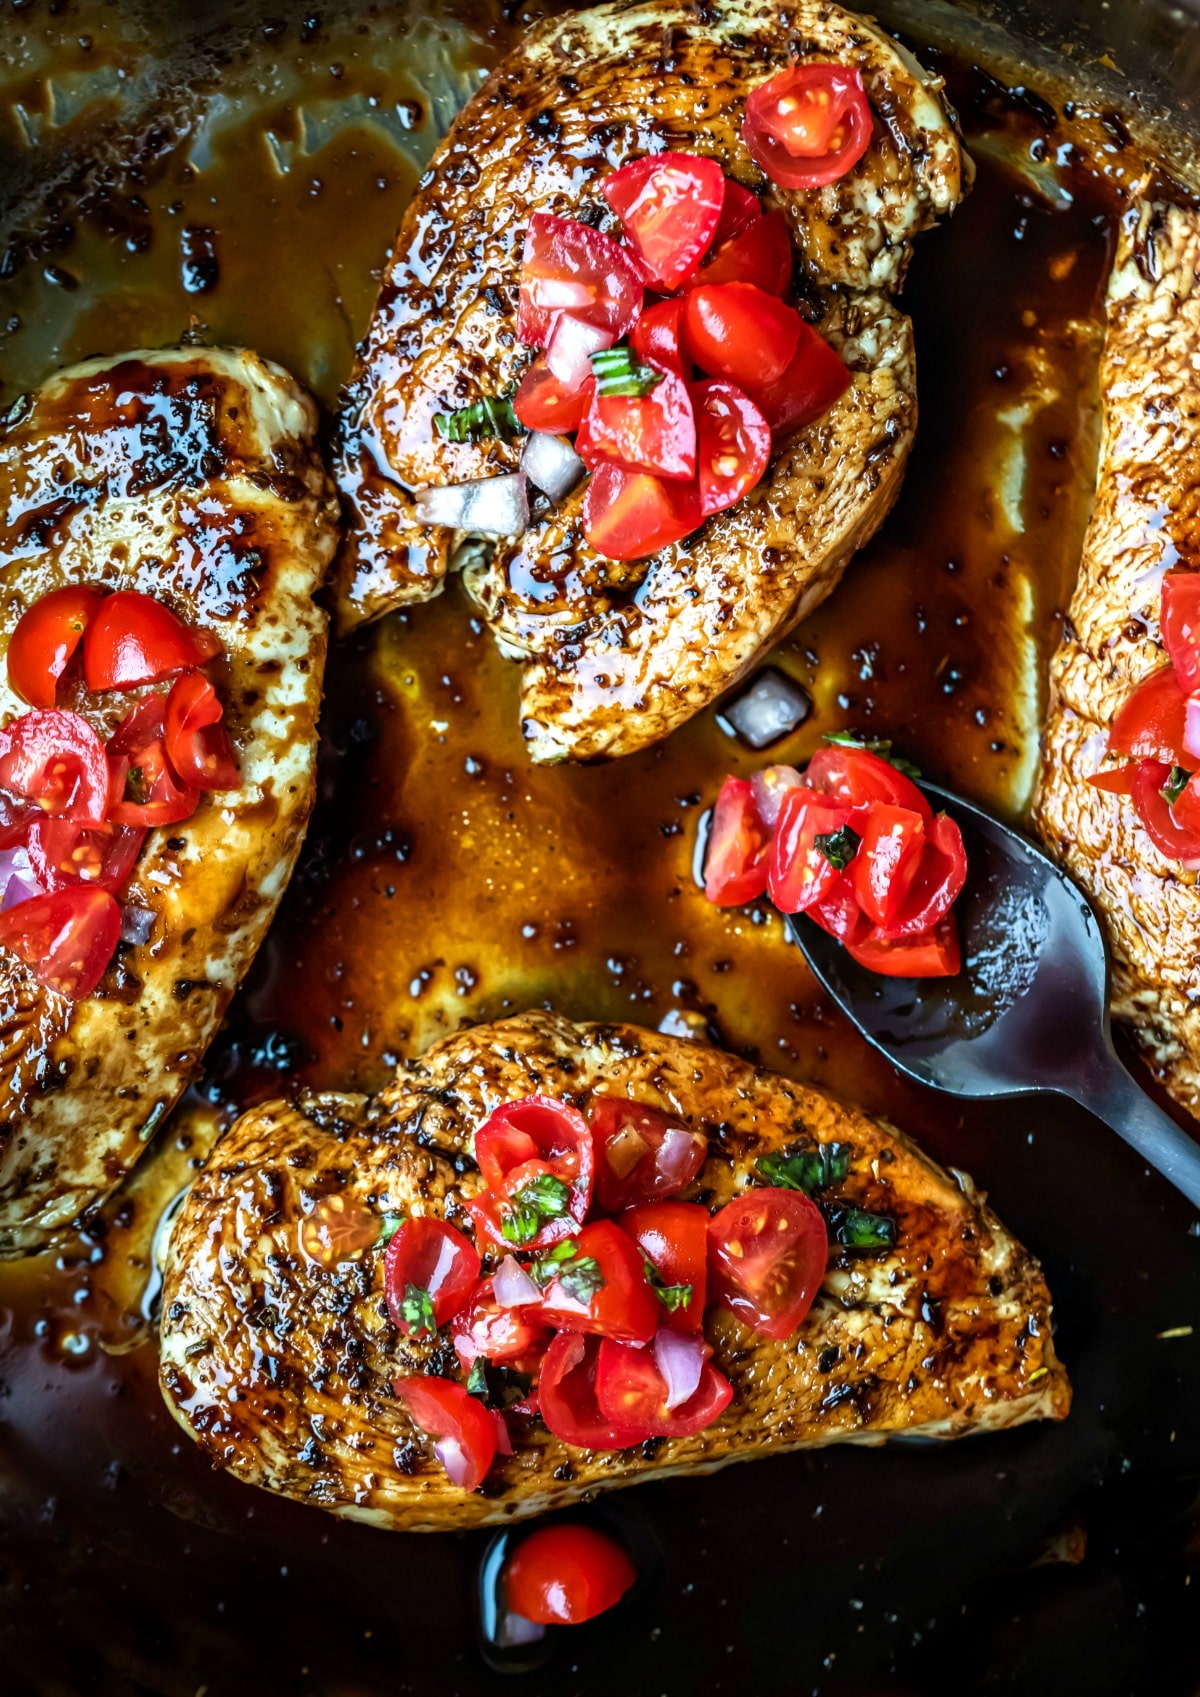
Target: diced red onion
(680, 1357)
(17, 880)
(137, 924)
(625, 1150)
(769, 787)
(551, 464)
(569, 350)
(515, 1629)
(680, 1156)
(557, 294)
(454, 1458)
(503, 1441)
(771, 708)
(512, 1285)
(1191, 728)
(490, 506)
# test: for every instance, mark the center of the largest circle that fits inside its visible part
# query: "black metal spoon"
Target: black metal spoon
(1029, 1011)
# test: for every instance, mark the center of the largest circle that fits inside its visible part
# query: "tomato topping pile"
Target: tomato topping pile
(74, 811)
(562, 1575)
(1157, 730)
(853, 843)
(667, 447)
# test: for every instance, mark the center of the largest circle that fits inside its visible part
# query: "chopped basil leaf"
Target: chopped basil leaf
(548, 1264)
(477, 1379)
(388, 1227)
(839, 847)
(854, 1228)
(1175, 784)
(808, 1170)
(488, 417)
(620, 372)
(417, 1311)
(581, 1278)
(135, 782)
(544, 1198)
(875, 745)
(671, 1296)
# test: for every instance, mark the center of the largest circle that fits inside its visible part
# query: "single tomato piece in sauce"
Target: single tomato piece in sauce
(673, 1236)
(891, 845)
(463, 1430)
(66, 937)
(55, 759)
(64, 854)
(805, 861)
(46, 636)
(814, 378)
(855, 777)
(809, 125)
(569, 267)
(670, 207)
(1174, 829)
(600, 1287)
(760, 254)
(767, 1251)
(562, 1575)
(653, 433)
(630, 515)
(736, 861)
(740, 332)
(642, 1153)
(567, 1397)
(658, 339)
(195, 738)
(132, 639)
(143, 788)
(937, 884)
(544, 402)
(1150, 724)
(633, 1389)
(538, 1163)
(733, 444)
(935, 953)
(429, 1270)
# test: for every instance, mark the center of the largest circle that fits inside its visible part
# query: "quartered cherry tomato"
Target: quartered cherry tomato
(733, 444)
(55, 758)
(133, 639)
(655, 433)
(1116, 780)
(562, 1575)
(670, 206)
(504, 1336)
(1174, 830)
(143, 789)
(799, 871)
(1180, 621)
(67, 937)
(931, 954)
(735, 867)
(629, 515)
(542, 402)
(1150, 724)
(430, 1258)
(47, 635)
(673, 1236)
(838, 913)
(463, 1430)
(937, 884)
(854, 776)
(569, 267)
(196, 741)
(63, 853)
(641, 1153)
(740, 209)
(767, 1251)
(602, 1288)
(567, 1397)
(814, 379)
(809, 125)
(738, 331)
(889, 854)
(657, 337)
(761, 254)
(538, 1163)
(632, 1391)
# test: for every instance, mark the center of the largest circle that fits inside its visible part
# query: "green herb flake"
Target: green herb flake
(477, 1379)
(388, 1227)
(854, 1228)
(135, 783)
(880, 746)
(551, 1261)
(807, 1170)
(416, 1310)
(1175, 784)
(619, 372)
(491, 416)
(581, 1279)
(839, 847)
(543, 1198)
(672, 1297)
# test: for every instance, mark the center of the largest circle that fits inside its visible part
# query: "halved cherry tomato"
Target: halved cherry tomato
(143, 790)
(940, 876)
(815, 378)
(567, 1397)
(761, 254)
(1180, 619)
(602, 1289)
(889, 854)
(196, 741)
(673, 1236)
(133, 639)
(47, 635)
(838, 913)
(432, 1258)
(67, 937)
(1177, 838)
(657, 337)
(505, 1336)
(655, 433)
(741, 208)
(519, 1147)
(1117, 780)
(1150, 724)
(767, 1251)
(628, 515)
(738, 331)
(463, 1430)
(739, 844)
(733, 444)
(542, 402)
(800, 873)
(569, 267)
(63, 853)
(55, 758)
(562, 1575)
(670, 206)
(935, 953)
(809, 125)
(642, 1154)
(631, 1390)
(855, 776)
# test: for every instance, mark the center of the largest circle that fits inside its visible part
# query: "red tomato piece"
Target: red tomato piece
(562, 1575)
(642, 1154)
(761, 254)
(770, 784)
(657, 337)
(799, 873)
(143, 790)
(567, 1397)
(655, 433)
(809, 125)
(1117, 780)
(738, 331)
(1174, 831)
(739, 844)
(629, 515)
(55, 758)
(767, 1251)
(463, 1430)
(67, 937)
(47, 635)
(542, 402)
(433, 1259)
(670, 206)
(505, 1336)
(133, 639)
(673, 1236)
(855, 777)
(1180, 620)
(64, 854)
(569, 267)
(733, 444)
(838, 913)
(602, 1289)
(631, 1390)
(523, 1144)
(1150, 724)
(940, 876)
(741, 208)
(16, 816)
(815, 378)
(196, 741)
(883, 870)
(931, 954)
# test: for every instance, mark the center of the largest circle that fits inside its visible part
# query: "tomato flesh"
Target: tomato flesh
(937, 884)
(760, 254)
(629, 515)
(632, 1390)
(657, 338)
(46, 636)
(1175, 837)
(799, 872)
(735, 867)
(839, 913)
(463, 1430)
(889, 854)
(733, 444)
(935, 953)
(1180, 621)
(504, 1336)
(854, 777)
(67, 937)
(55, 758)
(814, 379)
(641, 1153)
(767, 1254)
(670, 206)
(1151, 722)
(562, 1575)
(143, 789)
(738, 331)
(620, 1304)
(133, 639)
(653, 433)
(543, 402)
(809, 125)
(64, 854)
(196, 741)
(741, 208)
(569, 267)
(673, 1236)
(427, 1255)
(567, 1397)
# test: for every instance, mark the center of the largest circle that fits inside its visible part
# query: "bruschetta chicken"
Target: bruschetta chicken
(166, 513)
(627, 617)
(554, 1259)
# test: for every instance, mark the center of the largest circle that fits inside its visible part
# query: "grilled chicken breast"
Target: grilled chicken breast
(618, 655)
(192, 475)
(281, 1367)
(1146, 519)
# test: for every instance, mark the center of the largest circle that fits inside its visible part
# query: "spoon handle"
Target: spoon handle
(1113, 1095)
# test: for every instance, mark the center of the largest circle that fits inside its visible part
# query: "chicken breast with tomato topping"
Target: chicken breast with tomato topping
(193, 477)
(293, 1346)
(618, 651)
(1144, 524)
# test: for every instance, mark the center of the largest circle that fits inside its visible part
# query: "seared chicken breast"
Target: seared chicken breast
(617, 655)
(191, 475)
(279, 1361)
(1146, 519)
